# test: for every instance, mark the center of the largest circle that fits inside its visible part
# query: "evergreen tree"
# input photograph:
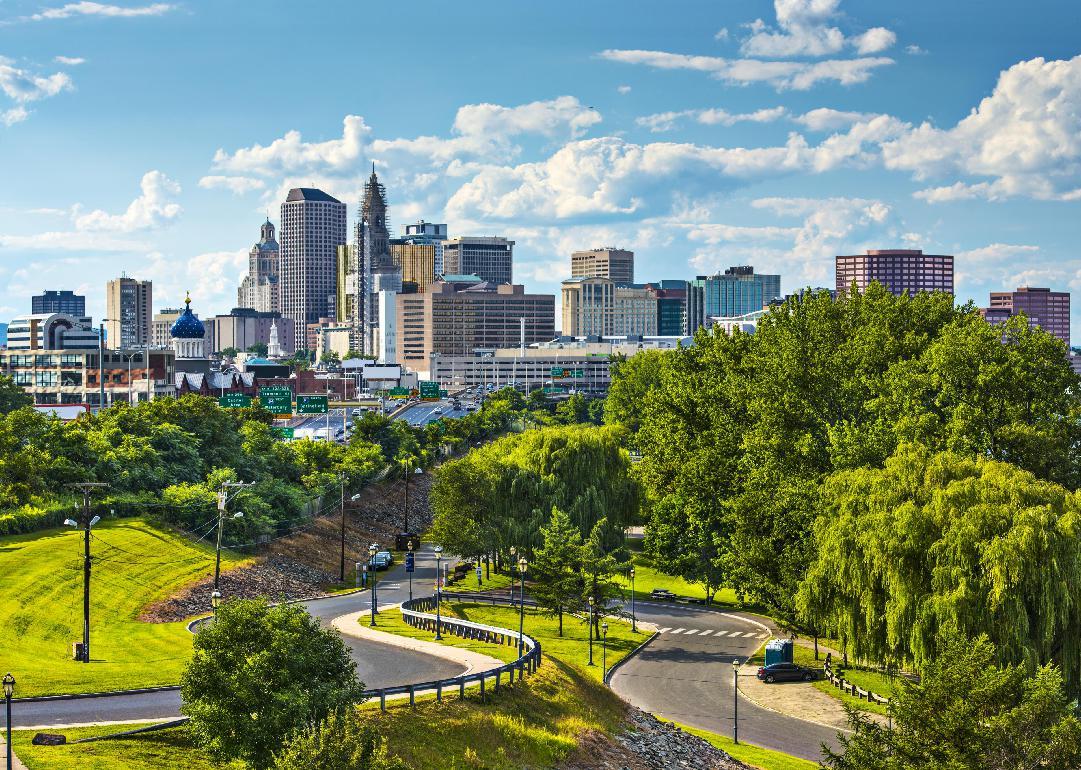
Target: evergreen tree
(557, 566)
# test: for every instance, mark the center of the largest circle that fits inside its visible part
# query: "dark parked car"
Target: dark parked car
(382, 560)
(784, 672)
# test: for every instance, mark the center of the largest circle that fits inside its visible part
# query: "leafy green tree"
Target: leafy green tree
(228, 352)
(12, 396)
(259, 674)
(557, 566)
(942, 541)
(512, 397)
(633, 378)
(968, 713)
(330, 357)
(340, 742)
(258, 349)
(537, 400)
(600, 568)
(700, 555)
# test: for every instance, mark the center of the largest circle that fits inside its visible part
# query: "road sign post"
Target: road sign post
(234, 401)
(312, 405)
(277, 399)
(429, 390)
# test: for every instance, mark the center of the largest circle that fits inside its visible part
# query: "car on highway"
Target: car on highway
(382, 560)
(438, 410)
(784, 672)
(356, 413)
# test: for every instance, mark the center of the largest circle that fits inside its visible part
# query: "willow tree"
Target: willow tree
(935, 542)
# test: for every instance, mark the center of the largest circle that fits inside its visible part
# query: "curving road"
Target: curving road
(685, 675)
(378, 665)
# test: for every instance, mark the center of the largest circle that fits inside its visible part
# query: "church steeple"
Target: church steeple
(374, 215)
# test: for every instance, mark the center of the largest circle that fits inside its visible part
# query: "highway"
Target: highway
(378, 665)
(685, 675)
(423, 412)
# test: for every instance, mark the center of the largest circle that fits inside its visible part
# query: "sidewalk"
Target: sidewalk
(801, 700)
(3, 755)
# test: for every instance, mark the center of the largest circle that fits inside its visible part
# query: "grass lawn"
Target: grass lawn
(764, 759)
(152, 751)
(497, 581)
(134, 564)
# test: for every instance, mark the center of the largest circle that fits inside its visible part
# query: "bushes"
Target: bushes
(28, 518)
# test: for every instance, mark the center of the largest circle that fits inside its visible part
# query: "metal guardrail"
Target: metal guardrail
(418, 613)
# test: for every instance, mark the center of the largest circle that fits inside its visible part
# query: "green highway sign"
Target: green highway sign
(398, 392)
(234, 401)
(557, 371)
(429, 389)
(443, 394)
(561, 373)
(311, 404)
(282, 432)
(278, 400)
(579, 373)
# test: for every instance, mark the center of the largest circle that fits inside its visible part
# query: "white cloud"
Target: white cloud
(803, 29)
(152, 209)
(666, 121)
(826, 119)
(780, 74)
(72, 241)
(1023, 140)
(71, 61)
(14, 115)
(624, 89)
(87, 8)
(914, 50)
(291, 154)
(722, 34)
(22, 85)
(563, 116)
(238, 185)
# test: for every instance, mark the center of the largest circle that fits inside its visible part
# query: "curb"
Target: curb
(611, 671)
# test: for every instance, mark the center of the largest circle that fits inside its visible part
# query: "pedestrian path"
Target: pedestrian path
(717, 634)
(18, 765)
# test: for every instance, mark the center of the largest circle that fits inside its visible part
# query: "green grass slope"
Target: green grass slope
(41, 606)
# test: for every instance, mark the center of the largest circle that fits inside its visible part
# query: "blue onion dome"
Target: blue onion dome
(188, 327)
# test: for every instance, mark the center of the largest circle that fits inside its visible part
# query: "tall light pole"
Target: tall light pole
(409, 473)
(101, 364)
(634, 620)
(412, 562)
(604, 650)
(223, 499)
(87, 488)
(735, 700)
(9, 690)
(438, 590)
(354, 498)
(372, 550)
(590, 621)
(523, 565)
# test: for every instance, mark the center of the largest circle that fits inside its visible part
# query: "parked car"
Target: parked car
(382, 560)
(784, 672)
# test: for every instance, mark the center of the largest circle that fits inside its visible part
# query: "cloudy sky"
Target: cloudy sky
(152, 137)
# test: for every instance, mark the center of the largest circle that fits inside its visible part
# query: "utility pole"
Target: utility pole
(223, 499)
(101, 365)
(87, 488)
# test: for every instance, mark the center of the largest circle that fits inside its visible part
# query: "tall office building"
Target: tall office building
(1049, 310)
(419, 259)
(602, 307)
(259, 289)
(899, 270)
(129, 307)
(313, 225)
(427, 229)
(490, 258)
(735, 292)
(66, 302)
(671, 307)
(459, 315)
(612, 263)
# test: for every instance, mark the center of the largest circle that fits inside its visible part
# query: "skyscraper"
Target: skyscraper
(737, 291)
(129, 307)
(259, 289)
(313, 226)
(1049, 310)
(67, 302)
(608, 262)
(899, 270)
(490, 258)
(600, 306)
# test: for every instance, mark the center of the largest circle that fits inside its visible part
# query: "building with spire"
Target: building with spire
(375, 215)
(188, 335)
(259, 289)
(274, 348)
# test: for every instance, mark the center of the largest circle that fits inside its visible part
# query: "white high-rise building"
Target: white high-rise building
(313, 225)
(259, 289)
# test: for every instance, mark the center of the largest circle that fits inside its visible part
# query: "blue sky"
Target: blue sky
(150, 137)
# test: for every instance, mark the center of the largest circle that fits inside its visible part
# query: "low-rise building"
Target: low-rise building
(52, 331)
(73, 376)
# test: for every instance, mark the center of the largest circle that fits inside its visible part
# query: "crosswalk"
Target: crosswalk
(715, 633)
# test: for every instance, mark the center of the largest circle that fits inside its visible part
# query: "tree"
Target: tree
(350, 354)
(330, 357)
(258, 349)
(229, 352)
(943, 541)
(259, 674)
(12, 396)
(341, 742)
(600, 565)
(557, 566)
(968, 713)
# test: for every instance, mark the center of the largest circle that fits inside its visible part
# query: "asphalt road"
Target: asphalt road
(424, 412)
(378, 665)
(687, 677)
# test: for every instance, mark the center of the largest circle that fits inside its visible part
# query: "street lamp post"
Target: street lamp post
(9, 690)
(590, 621)
(604, 650)
(87, 488)
(634, 620)
(353, 499)
(414, 472)
(513, 552)
(523, 565)
(735, 700)
(372, 550)
(412, 557)
(438, 591)
(223, 499)
(215, 601)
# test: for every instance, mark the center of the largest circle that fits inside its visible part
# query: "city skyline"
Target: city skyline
(698, 143)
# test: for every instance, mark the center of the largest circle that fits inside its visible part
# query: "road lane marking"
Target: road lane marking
(679, 631)
(706, 633)
(692, 631)
(721, 633)
(763, 636)
(664, 630)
